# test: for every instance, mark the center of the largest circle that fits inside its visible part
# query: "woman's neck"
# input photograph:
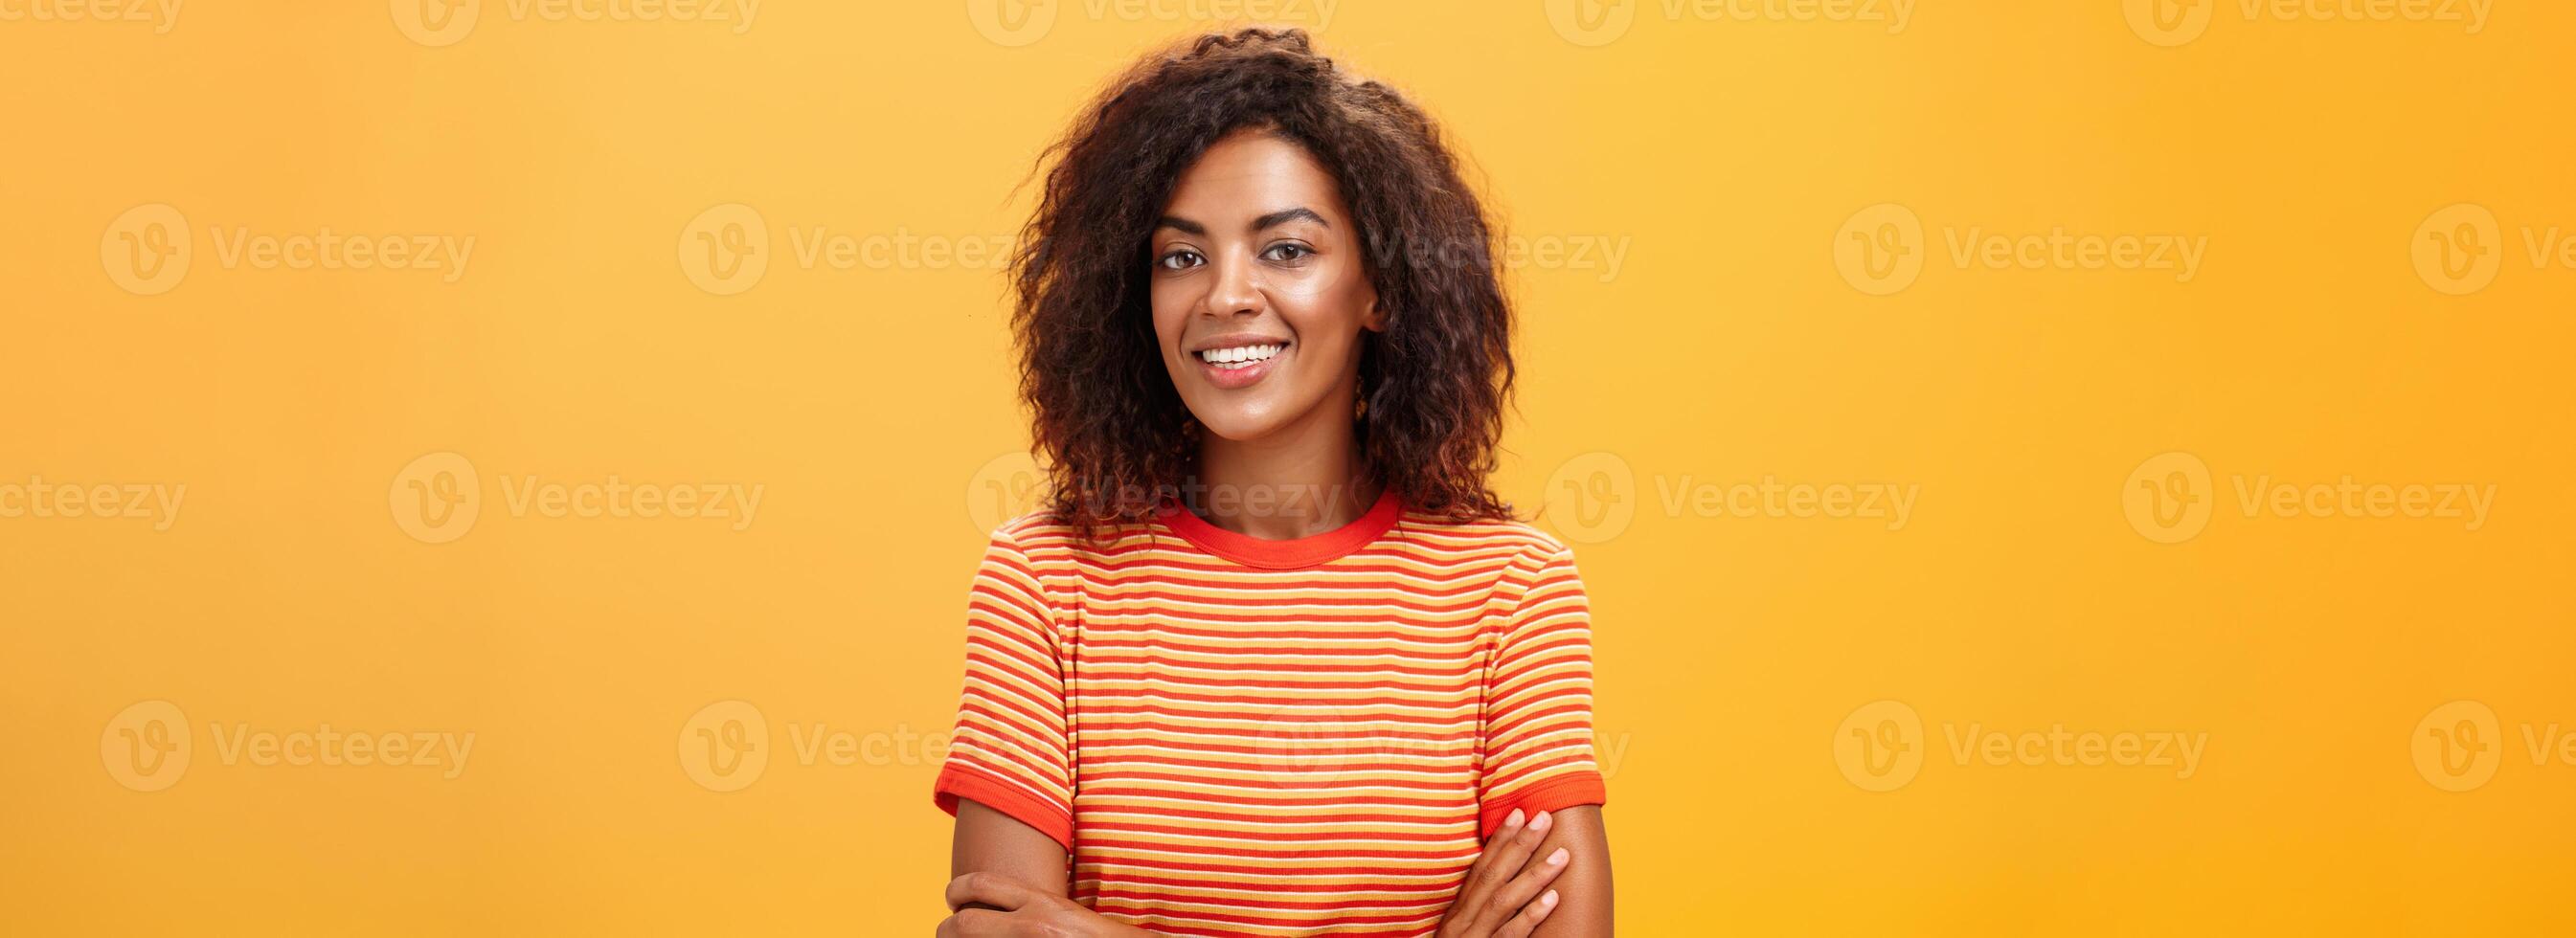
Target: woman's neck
(1307, 479)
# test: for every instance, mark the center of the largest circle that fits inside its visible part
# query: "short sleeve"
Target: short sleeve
(1011, 751)
(1536, 737)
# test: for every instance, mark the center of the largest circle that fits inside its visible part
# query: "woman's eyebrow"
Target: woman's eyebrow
(1289, 214)
(1186, 226)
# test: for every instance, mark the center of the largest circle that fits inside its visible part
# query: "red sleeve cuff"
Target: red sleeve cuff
(1563, 791)
(964, 780)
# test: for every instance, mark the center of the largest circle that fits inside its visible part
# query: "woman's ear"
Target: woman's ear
(1375, 321)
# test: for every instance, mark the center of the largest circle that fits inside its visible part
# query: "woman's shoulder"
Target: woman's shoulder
(1511, 534)
(1044, 537)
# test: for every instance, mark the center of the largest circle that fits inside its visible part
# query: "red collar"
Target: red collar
(1285, 554)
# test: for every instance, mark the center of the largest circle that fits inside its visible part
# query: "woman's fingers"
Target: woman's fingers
(1510, 849)
(970, 923)
(1510, 857)
(1501, 889)
(1517, 894)
(1527, 921)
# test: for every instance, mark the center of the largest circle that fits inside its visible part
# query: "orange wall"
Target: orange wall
(649, 396)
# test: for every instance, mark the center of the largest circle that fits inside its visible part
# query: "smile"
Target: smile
(1239, 357)
(1239, 361)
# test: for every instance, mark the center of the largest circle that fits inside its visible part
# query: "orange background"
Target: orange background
(2336, 324)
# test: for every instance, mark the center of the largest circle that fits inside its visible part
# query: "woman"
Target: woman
(1273, 658)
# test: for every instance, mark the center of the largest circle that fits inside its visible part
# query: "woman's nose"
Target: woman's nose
(1237, 288)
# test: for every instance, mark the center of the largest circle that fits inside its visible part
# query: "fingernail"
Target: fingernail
(1548, 900)
(1557, 858)
(1540, 822)
(1514, 820)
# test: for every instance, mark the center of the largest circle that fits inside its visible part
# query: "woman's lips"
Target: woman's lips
(1231, 376)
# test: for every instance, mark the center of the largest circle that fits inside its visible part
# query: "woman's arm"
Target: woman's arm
(1007, 878)
(988, 841)
(1583, 890)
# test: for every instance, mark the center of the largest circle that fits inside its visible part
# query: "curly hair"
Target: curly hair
(1108, 422)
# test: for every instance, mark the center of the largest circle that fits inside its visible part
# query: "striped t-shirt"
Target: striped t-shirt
(1236, 735)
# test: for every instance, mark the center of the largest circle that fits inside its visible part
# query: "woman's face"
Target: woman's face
(1260, 292)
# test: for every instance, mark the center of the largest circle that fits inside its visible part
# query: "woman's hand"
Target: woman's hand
(1503, 895)
(997, 905)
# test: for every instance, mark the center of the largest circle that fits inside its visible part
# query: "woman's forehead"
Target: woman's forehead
(1249, 174)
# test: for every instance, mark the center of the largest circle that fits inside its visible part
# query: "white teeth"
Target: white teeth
(1239, 356)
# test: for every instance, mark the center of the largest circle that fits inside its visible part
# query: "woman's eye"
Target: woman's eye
(1179, 260)
(1286, 252)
